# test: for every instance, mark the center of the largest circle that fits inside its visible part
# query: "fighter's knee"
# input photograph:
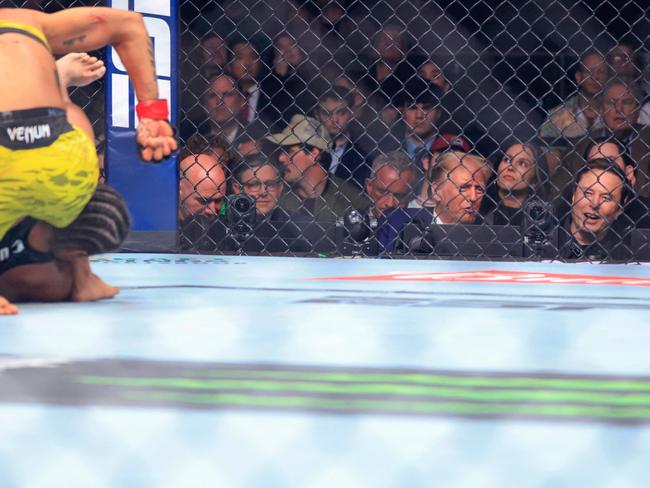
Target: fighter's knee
(101, 227)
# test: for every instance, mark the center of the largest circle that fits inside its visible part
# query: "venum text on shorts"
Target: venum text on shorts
(30, 133)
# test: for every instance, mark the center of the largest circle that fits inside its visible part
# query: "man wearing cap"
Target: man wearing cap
(316, 199)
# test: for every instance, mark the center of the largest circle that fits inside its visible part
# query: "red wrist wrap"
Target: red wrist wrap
(153, 109)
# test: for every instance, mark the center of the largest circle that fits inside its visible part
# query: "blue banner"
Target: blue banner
(150, 190)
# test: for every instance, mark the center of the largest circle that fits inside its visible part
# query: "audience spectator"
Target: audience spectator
(581, 112)
(422, 66)
(326, 33)
(211, 144)
(223, 103)
(286, 86)
(316, 200)
(625, 61)
(334, 112)
(391, 183)
(246, 66)
(415, 123)
(423, 161)
(372, 118)
(390, 47)
(245, 145)
(213, 54)
(610, 148)
(419, 106)
(429, 70)
(593, 229)
(256, 176)
(202, 184)
(456, 183)
(458, 117)
(619, 115)
(520, 176)
(272, 231)
(359, 98)
(637, 208)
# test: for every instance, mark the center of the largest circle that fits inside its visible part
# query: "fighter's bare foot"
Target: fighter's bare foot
(91, 289)
(7, 308)
(79, 69)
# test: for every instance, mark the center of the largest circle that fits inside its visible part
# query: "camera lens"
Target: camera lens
(537, 212)
(242, 205)
(353, 217)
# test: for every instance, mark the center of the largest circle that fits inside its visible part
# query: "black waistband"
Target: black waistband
(15, 249)
(32, 128)
(31, 113)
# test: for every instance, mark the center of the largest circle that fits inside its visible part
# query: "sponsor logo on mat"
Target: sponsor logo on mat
(498, 276)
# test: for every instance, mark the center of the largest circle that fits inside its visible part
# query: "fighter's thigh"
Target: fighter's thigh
(47, 282)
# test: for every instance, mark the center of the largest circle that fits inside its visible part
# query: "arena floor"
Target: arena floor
(274, 372)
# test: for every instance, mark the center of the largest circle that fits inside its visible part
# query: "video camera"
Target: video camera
(538, 229)
(356, 234)
(240, 216)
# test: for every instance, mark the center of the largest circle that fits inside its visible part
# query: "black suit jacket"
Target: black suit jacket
(353, 167)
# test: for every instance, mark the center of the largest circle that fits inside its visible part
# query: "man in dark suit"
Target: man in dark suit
(246, 66)
(334, 111)
(457, 183)
(419, 104)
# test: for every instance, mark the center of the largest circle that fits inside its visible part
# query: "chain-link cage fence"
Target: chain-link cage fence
(466, 129)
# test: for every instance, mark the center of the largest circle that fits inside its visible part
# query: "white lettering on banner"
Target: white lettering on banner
(160, 32)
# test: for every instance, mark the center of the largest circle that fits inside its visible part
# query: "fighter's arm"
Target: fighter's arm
(90, 28)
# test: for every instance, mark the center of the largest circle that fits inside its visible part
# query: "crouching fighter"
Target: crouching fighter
(48, 160)
(36, 258)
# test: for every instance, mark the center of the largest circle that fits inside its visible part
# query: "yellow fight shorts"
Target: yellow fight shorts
(48, 169)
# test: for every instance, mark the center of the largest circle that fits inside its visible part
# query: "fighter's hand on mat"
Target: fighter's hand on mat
(79, 69)
(156, 139)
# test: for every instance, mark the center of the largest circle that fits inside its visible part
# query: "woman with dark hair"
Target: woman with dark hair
(520, 175)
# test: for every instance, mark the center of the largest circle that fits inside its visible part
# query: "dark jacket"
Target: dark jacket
(274, 234)
(638, 211)
(615, 246)
(316, 217)
(284, 97)
(391, 232)
(353, 167)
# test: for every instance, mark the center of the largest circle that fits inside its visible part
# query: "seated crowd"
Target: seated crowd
(392, 147)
